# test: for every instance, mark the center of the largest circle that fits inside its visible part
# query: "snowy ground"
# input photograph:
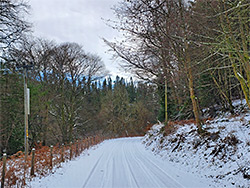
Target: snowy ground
(221, 154)
(120, 162)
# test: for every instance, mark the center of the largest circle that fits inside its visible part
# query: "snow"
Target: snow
(220, 157)
(222, 154)
(238, 102)
(122, 162)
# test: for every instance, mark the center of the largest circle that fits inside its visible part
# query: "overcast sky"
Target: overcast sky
(77, 21)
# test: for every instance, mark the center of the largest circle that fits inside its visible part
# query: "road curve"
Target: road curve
(119, 163)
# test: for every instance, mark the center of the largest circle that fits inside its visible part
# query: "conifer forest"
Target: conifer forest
(188, 59)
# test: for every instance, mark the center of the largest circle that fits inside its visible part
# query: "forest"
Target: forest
(190, 59)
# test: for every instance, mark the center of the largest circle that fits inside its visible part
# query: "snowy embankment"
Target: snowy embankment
(221, 154)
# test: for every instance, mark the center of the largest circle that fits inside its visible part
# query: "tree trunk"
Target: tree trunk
(46, 123)
(191, 89)
(166, 102)
(194, 101)
(244, 85)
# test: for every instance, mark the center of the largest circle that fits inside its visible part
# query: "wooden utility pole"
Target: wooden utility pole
(26, 128)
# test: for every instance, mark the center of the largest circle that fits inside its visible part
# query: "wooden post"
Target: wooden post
(81, 145)
(51, 157)
(89, 142)
(84, 144)
(70, 151)
(62, 155)
(76, 148)
(4, 170)
(32, 171)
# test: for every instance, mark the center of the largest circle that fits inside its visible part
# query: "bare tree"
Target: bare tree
(59, 71)
(69, 67)
(12, 27)
(233, 43)
(12, 24)
(158, 44)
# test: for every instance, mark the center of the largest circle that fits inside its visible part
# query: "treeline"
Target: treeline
(197, 52)
(195, 55)
(61, 112)
(71, 96)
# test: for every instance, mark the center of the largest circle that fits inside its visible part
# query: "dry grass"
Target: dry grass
(16, 175)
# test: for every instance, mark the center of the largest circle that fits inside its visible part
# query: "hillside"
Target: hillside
(221, 154)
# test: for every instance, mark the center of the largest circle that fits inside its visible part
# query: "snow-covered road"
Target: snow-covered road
(117, 163)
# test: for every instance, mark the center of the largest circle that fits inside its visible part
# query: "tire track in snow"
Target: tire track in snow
(107, 174)
(120, 163)
(147, 160)
(99, 165)
(149, 177)
(121, 172)
(110, 167)
(92, 170)
(130, 172)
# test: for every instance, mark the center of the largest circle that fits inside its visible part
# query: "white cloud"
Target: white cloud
(76, 21)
